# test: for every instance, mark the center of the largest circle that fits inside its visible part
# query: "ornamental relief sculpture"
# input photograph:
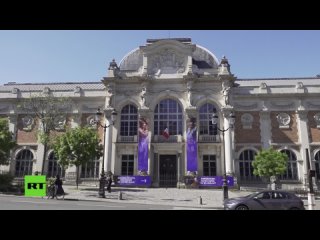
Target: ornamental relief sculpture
(167, 61)
(317, 119)
(283, 120)
(59, 123)
(27, 123)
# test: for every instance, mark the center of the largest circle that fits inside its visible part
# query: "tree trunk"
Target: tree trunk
(44, 157)
(77, 176)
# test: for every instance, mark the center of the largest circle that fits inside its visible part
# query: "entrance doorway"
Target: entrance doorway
(168, 171)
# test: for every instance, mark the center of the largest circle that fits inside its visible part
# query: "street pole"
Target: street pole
(102, 180)
(231, 122)
(224, 180)
(311, 198)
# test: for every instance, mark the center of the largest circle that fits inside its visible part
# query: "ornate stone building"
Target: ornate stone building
(168, 90)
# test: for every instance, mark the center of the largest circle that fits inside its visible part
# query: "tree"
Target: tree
(76, 147)
(6, 142)
(48, 109)
(269, 162)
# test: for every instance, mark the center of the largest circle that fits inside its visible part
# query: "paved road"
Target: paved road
(27, 203)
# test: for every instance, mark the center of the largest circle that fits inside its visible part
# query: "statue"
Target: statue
(226, 92)
(109, 96)
(189, 94)
(143, 96)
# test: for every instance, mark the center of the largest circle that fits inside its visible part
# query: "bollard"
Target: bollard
(200, 200)
(120, 195)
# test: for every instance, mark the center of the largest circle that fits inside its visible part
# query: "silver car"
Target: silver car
(265, 200)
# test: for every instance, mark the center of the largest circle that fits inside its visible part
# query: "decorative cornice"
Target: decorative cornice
(246, 106)
(282, 104)
(313, 104)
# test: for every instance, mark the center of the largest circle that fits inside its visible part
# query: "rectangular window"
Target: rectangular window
(209, 165)
(127, 163)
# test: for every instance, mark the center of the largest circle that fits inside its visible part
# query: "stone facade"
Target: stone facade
(168, 82)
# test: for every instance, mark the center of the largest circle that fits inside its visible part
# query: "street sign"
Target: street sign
(215, 181)
(134, 181)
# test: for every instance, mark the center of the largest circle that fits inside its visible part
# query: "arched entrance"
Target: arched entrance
(168, 171)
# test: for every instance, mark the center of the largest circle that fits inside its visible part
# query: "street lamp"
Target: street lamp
(102, 180)
(215, 125)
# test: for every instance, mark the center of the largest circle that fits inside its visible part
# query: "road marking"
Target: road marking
(112, 206)
(187, 208)
(32, 202)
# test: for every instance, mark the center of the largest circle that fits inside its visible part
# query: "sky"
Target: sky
(40, 56)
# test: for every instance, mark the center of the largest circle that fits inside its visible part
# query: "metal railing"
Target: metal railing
(171, 139)
(128, 139)
(209, 138)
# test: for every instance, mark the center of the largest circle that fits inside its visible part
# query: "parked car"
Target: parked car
(265, 200)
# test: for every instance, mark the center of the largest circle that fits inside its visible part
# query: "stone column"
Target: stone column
(265, 129)
(109, 145)
(228, 166)
(302, 122)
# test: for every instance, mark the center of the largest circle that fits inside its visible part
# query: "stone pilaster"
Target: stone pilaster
(265, 129)
(302, 122)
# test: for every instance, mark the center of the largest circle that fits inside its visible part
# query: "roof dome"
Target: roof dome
(202, 59)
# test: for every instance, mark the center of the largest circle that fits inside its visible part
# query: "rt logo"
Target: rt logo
(35, 186)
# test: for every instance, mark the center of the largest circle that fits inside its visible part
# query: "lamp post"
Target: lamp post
(102, 180)
(215, 125)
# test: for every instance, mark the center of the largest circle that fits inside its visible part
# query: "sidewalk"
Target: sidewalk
(184, 198)
(189, 198)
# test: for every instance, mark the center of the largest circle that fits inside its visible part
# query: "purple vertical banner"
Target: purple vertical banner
(192, 148)
(143, 145)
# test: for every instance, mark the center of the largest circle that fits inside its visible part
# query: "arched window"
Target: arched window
(292, 172)
(24, 163)
(245, 165)
(205, 123)
(317, 158)
(90, 169)
(129, 121)
(53, 167)
(168, 114)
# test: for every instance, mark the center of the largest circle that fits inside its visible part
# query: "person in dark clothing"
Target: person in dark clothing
(58, 190)
(109, 182)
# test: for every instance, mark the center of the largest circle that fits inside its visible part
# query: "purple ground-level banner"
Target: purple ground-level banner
(192, 147)
(143, 146)
(134, 181)
(214, 181)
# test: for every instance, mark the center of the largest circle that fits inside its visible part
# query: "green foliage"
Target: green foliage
(269, 163)
(5, 181)
(6, 142)
(77, 146)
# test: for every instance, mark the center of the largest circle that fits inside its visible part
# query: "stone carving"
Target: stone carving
(27, 123)
(189, 94)
(317, 119)
(91, 121)
(59, 122)
(247, 120)
(167, 62)
(15, 90)
(46, 90)
(283, 120)
(263, 86)
(143, 96)
(226, 92)
(77, 89)
(109, 96)
(299, 85)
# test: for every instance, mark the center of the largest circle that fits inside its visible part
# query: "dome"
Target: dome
(202, 59)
